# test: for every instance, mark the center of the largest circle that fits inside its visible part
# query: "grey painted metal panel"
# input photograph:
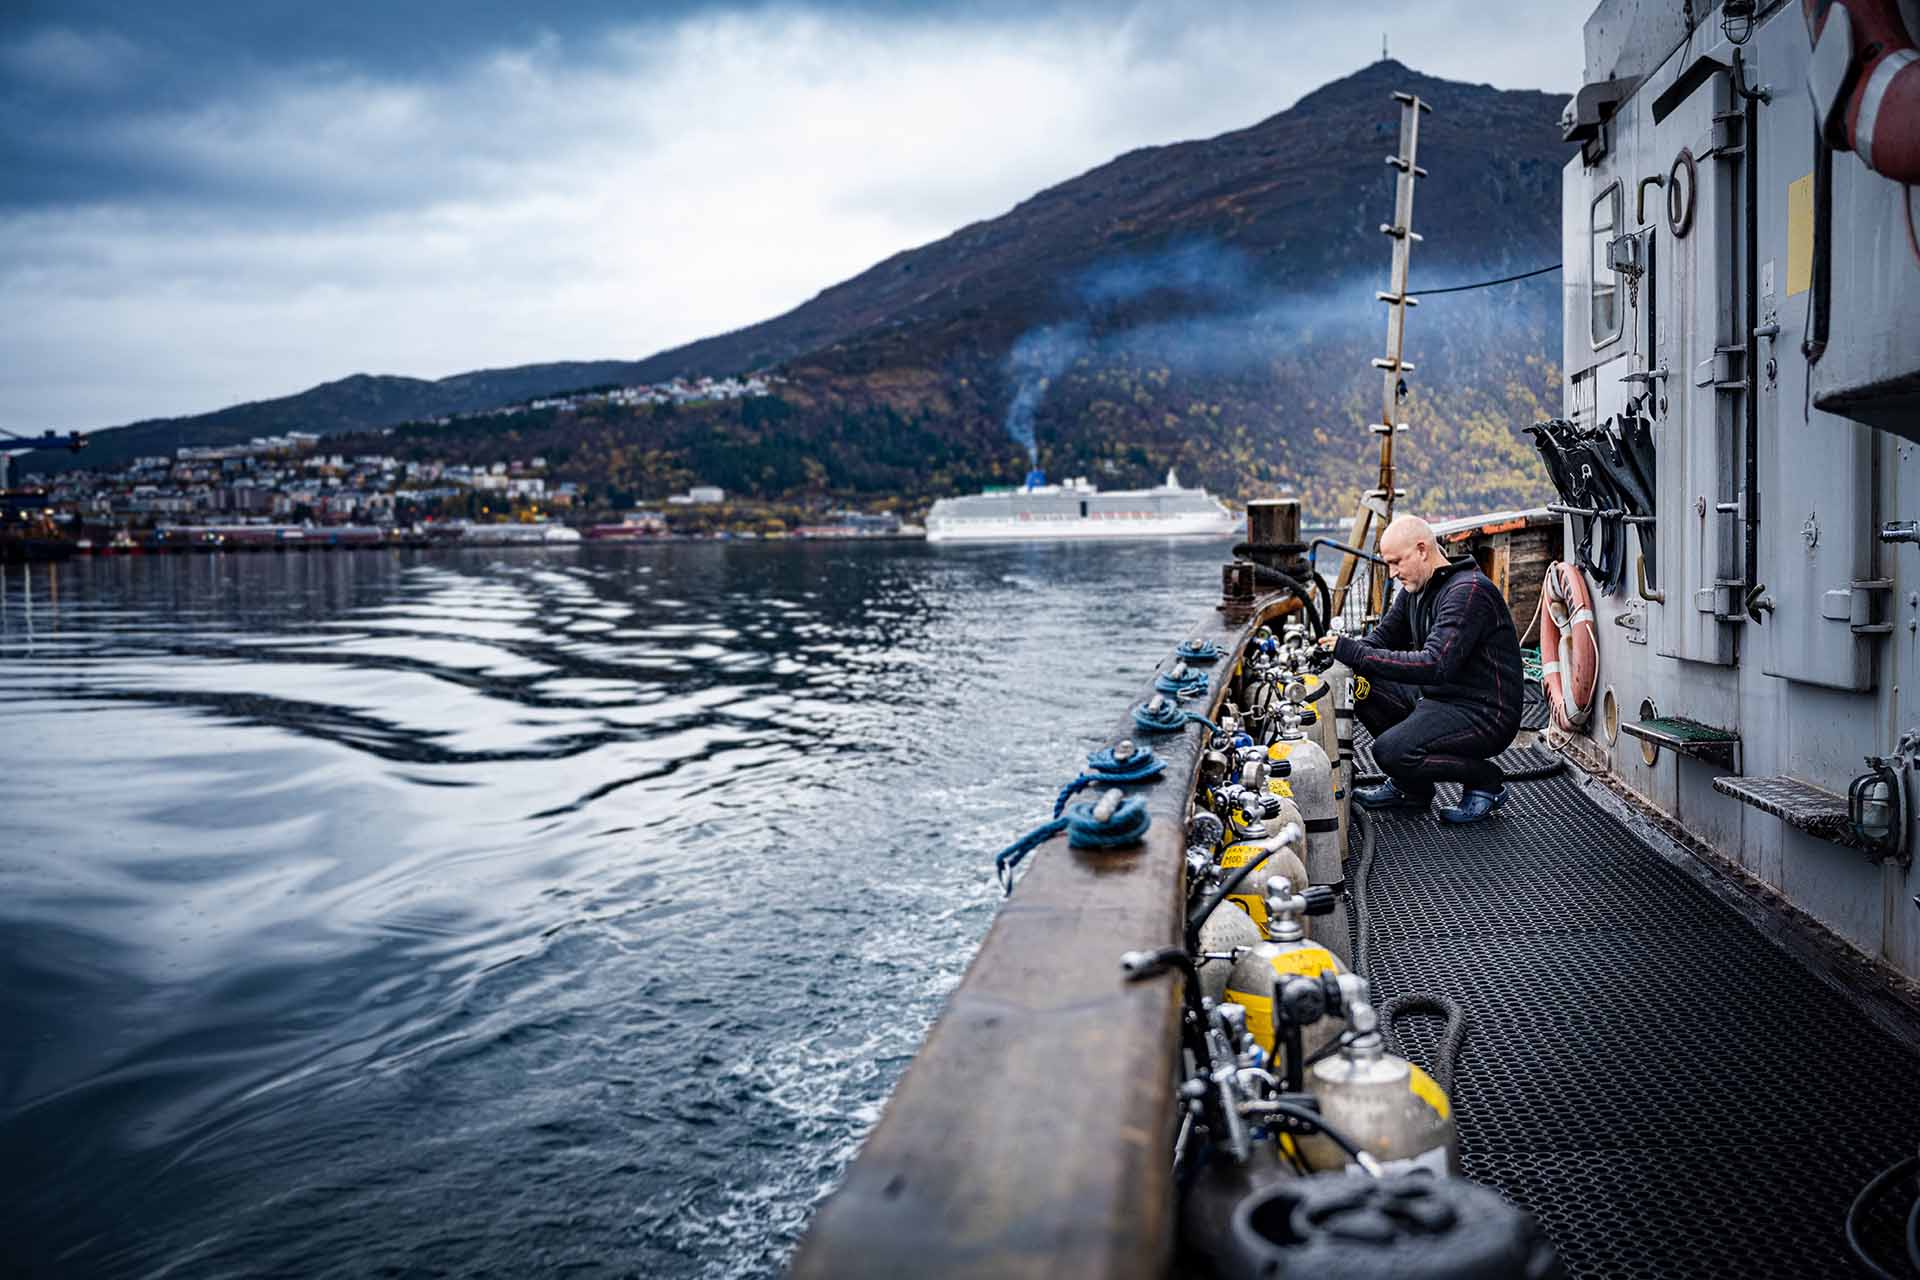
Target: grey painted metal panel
(1698, 466)
(1817, 468)
(1632, 37)
(1817, 696)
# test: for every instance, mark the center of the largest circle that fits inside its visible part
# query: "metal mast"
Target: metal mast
(1378, 502)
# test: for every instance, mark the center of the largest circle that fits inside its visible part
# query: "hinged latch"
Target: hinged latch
(1854, 605)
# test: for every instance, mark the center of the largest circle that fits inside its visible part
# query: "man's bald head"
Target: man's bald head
(1411, 551)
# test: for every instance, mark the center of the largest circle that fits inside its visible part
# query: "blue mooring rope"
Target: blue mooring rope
(1191, 685)
(1169, 719)
(1198, 650)
(1104, 767)
(1126, 825)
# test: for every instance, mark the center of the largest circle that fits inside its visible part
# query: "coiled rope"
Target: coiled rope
(1105, 765)
(1161, 716)
(1126, 820)
(1198, 650)
(1181, 683)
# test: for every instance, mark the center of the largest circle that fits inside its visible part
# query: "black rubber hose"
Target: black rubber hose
(1913, 1234)
(1287, 582)
(1452, 1041)
(1232, 882)
(1880, 1180)
(1314, 1118)
(1362, 871)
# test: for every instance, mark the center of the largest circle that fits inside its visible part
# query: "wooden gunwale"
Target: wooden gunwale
(1032, 1133)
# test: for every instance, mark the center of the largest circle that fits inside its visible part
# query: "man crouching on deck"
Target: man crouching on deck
(1442, 688)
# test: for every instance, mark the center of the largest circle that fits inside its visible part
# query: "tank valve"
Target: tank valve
(1900, 531)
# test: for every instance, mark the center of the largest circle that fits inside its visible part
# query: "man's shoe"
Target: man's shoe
(1473, 806)
(1385, 795)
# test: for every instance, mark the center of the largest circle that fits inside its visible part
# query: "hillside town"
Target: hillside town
(294, 489)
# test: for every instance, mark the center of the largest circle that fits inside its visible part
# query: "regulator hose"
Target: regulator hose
(1085, 828)
(1102, 766)
(1333, 1135)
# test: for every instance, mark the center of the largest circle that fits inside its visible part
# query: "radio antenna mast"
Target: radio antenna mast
(1376, 504)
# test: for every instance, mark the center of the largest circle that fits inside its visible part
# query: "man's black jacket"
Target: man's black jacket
(1453, 638)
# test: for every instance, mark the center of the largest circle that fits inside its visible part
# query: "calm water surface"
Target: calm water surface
(509, 913)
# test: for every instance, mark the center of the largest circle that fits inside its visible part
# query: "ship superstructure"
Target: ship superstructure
(1078, 509)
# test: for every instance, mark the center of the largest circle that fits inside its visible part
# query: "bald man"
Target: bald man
(1442, 679)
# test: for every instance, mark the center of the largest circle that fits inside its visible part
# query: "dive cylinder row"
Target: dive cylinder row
(1305, 1146)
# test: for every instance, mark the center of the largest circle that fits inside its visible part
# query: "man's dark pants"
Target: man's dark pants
(1418, 741)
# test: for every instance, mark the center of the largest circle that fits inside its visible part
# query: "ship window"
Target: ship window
(1601, 226)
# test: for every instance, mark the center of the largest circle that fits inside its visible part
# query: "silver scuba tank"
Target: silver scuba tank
(1286, 953)
(1391, 1109)
(1249, 834)
(1224, 932)
(1309, 777)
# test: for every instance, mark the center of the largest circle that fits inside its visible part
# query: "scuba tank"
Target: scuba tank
(1324, 724)
(1309, 775)
(1390, 1108)
(1286, 953)
(1224, 932)
(1251, 832)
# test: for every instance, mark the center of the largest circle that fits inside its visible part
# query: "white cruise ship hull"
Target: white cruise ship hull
(1042, 528)
(1077, 510)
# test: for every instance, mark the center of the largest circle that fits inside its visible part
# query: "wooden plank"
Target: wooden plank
(1032, 1134)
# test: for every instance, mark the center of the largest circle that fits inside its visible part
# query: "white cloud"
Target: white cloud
(558, 202)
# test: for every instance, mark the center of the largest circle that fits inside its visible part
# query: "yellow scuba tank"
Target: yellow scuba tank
(1309, 775)
(1388, 1107)
(1287, 952)
(1249, 834)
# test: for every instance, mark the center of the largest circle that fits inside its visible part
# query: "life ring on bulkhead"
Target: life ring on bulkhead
(1569, 644)
(1865, 81)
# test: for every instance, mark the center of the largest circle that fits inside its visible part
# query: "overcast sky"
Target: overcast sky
(210, 201)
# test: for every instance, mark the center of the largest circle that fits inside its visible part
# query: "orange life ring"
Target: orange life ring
(1569, 644)
(1873, 77)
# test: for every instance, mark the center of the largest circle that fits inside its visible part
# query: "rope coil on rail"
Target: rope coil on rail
(1198, 650)
(1119, 765)
(1181, 683)
(1161, 715)
(1107, 823)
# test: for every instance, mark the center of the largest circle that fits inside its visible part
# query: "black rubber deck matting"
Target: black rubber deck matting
(1670, 1093)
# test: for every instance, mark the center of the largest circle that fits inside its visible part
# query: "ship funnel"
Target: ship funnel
(1036, 478)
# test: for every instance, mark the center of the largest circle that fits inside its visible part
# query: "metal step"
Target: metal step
(1689, 738)
(1800, 805)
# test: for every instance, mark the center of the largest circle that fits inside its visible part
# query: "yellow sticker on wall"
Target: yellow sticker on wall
(1800, 235)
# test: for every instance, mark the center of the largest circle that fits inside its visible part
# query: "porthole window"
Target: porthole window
(1602, 225)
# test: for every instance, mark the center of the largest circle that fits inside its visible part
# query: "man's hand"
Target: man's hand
(1327, 641)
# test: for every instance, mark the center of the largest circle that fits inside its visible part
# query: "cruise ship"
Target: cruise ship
(1077, 509)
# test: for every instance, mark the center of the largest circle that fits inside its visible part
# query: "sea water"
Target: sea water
(510, 912)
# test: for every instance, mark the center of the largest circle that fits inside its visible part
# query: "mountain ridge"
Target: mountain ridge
(1210, 247)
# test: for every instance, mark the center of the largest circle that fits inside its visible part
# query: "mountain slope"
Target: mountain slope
(1207, 304)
